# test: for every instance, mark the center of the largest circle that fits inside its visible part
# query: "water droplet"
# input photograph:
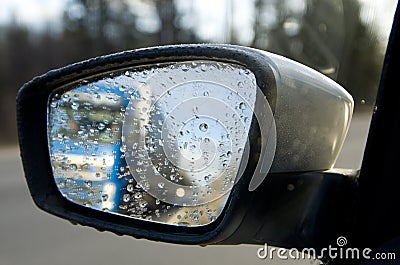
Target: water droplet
(206, 94)
(180, 192)
(62, 183)
(129, 187)
(143, 204)
(242, 105)
(161, 185)
(362, 101)
(203, 127)
(126, 197)
(290, 187)
(185, 68)
(75, 106)
(88, 183)
(144, 74)
(122, 148)
(101, 126)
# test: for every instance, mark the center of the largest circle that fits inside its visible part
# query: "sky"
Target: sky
(31, 12)
(210, 22)
(379, 12)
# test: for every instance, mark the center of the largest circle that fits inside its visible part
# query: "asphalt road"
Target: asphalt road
(30, 236)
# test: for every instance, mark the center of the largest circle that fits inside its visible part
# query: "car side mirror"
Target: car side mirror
(190, 144)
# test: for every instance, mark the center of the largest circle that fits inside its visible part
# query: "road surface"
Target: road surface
(32, 237)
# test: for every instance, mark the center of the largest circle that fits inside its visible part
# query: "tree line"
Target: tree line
(329, 36)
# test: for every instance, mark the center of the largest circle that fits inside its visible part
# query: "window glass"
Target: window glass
(343, 39)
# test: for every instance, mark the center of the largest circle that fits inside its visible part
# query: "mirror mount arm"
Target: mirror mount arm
(310, 209)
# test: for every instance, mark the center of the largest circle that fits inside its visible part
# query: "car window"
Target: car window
(343, 39)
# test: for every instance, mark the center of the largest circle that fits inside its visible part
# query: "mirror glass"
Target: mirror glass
(161, 143)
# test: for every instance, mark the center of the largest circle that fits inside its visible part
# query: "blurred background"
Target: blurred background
(343, 39)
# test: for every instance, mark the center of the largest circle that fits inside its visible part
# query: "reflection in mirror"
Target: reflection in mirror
(162, 144)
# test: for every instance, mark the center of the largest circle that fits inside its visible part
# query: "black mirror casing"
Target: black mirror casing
(289, 209)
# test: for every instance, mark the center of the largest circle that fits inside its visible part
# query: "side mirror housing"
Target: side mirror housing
(190, 144)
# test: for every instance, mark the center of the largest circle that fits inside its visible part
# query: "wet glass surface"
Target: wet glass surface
(160, 144)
